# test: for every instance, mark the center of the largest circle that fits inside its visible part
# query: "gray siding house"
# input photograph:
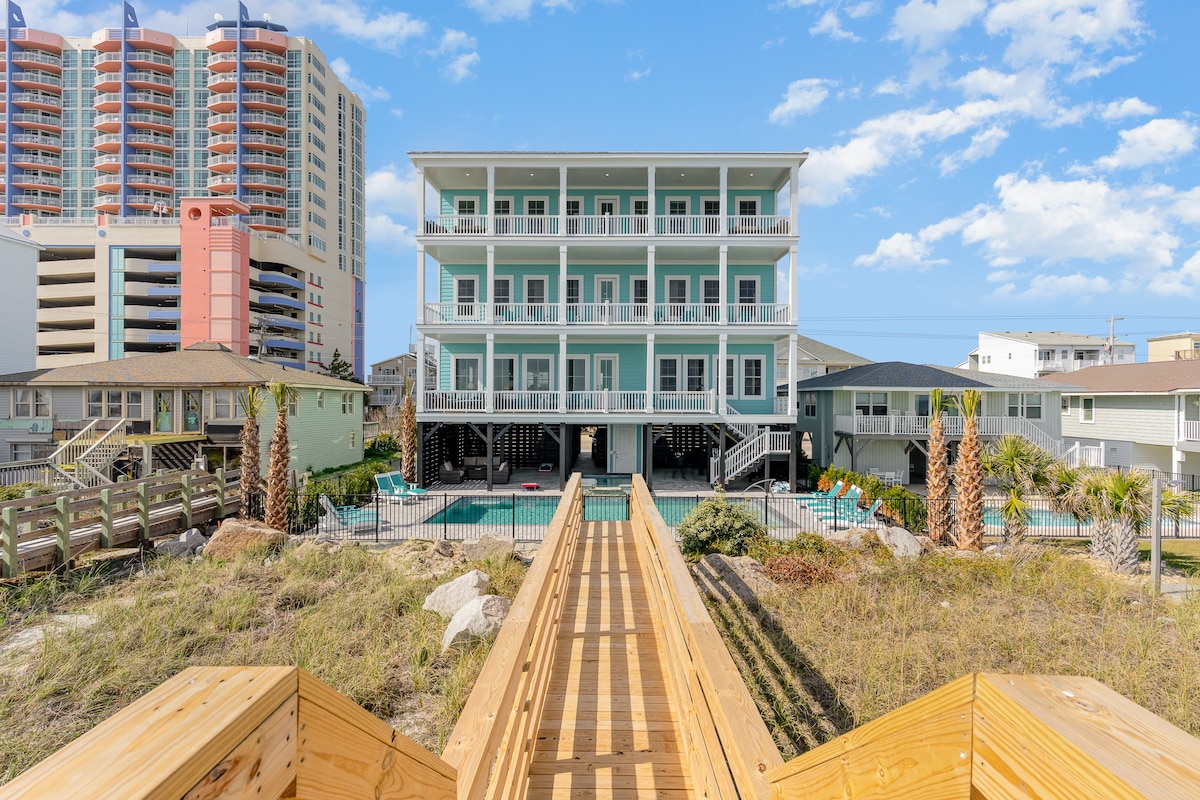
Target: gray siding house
(876, 417)
(1134, 415)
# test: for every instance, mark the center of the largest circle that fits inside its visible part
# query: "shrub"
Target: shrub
(18, 490)
(899, 504)
(717, 526)
(382, 446)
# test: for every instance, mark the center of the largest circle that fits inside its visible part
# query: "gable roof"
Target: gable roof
(1152, 377)
(903, 375)
(826, 353)
(1054, 338)
(205, 363)
(10, 235)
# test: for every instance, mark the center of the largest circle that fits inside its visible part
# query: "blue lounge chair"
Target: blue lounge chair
(851, 516)
(344, 519)
(388, 489)
(833, 492)
(400, 484)
(851, 498)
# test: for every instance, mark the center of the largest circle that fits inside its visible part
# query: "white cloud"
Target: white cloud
(1093, 69)
(1159, 140)
(398, 113)
(637, 75)
(367, 92)
(390, 234)
(460, 68)
(452, 41)
(1053, 221)
(498, 10)
(1183, 281)
(1186, 206)
(864, 9)
(776, 42)
(927, 24)
(899, 251)
(802, 97)
(830, 23)
(983, 145)
(1129, 107)
(889, 86)
(1062, 287)
(1003, 276)
(392, 206)
(1061, 31)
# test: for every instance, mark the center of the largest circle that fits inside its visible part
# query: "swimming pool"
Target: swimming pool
(1038, 518)
(521, 510)
(674, 509)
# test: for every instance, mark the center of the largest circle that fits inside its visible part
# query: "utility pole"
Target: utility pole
(1112, 339)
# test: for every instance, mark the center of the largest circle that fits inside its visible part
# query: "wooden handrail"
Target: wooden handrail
(492, 744)
(238, 732)
(1003, 737)
(730, 749)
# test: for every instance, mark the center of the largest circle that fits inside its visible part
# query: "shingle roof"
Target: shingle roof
(827, 353)
(902, 375)
(1053, 337)
(201, 364)
(1149, 378)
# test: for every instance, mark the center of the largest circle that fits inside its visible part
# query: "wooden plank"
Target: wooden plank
(340, 761)
(163, 744)
(919, 750)
(262, 765)
(1070, 737)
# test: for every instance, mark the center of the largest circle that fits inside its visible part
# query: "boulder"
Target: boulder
(479, 619)
(448, 598)
(486, 547)
(902, 543)
(724, 577)
(236, 536)
(193, 538)
(444, 549)
(172, 548)
(927, 545)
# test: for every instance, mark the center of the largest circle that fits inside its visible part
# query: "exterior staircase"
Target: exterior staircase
(84, 459)
(751, 451)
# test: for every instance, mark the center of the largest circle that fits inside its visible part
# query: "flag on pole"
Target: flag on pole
(130, 16)
(15, 18)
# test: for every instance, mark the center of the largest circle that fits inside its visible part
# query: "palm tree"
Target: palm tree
(1079, 491)
(937, 476)
(1022, 469)
(277, 470)
(968, 476)
(408, 435)
(251, 470)
(1127, 508)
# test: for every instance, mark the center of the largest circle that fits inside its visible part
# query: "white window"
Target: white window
(535, 207)
(747, 206)
(1066, 406)
(31, 403)
(639, 290)
(696, 374)
(668, 374)
(226, 404)
(747, 289)
(872, 404)
(606, 373)
(1028, 406)
(731, 377)
(1087, 410)
(293, 407)
(320, 399)
(464, 291)
(504, 374)
(810, 404)
(752, 376)
(576, 374)
(535, 291)
(353, 440)
(347, 402)
(466, 373)
(466, 206)
(133, 404)
(712, 291)
(537, 373)
(677, 291)
(501, 294)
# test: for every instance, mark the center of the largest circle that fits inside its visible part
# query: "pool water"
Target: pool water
(674, 509)
(1038, 518)
(521, 510)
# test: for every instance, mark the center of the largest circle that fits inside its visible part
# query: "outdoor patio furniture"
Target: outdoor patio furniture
(344, 519)
(852, 516)
(401, 485)
(852, 495)
(531, 487)
(388, 490)
(451, 474)
(833, 492)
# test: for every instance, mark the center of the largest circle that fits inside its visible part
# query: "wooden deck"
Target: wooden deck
(608, 728)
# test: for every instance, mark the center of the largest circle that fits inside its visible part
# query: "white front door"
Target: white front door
(622, 457)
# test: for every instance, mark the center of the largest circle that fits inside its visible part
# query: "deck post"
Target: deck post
(185, 500)
(562, 456)
(724, 432)
(488, 451)
(143, 506)
(62, 524)
(793, 467)
(648, 455)
(106, 518)
(219, 487)
(8, 532)
(420, 476)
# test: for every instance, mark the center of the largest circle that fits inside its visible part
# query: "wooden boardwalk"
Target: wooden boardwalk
(608, 728)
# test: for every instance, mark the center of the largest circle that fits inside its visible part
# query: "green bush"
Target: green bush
(717, 526)
(382, 446)
(18, 490)
(901, 505)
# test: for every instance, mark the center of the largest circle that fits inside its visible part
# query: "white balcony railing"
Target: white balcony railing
(542, 401)
(1067, 364)
(593, 225)
(527, 400)
(606, 314)
(454, 312)
(913, 425)
(607, 402)
(686, 402)
(525, 313)
(759, 314)
(1189, 430)
(454, 401)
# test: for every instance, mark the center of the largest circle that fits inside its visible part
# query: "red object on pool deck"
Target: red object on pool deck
(531, 487)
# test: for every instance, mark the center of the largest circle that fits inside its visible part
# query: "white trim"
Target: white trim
(515, 359)
(587, 363)
(616, 376)
(687, 288)
(478, 359)
(501, 198)
(544, 198)
(732, 373)
(492, 289)
(645, 199)
(658, 360)
(459, 198)
(715, 279)
(474, 295)
(614, 199)
(616, 282)
(524, 374)
(762, 378)
(757, 279)
(687, 204)
(706, 360)
(737, 203)
(525, 288)
(1082, 402)
(567, 293)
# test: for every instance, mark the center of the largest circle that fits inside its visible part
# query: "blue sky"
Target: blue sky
(975, 164)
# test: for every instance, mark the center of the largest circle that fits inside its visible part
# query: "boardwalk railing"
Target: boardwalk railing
(46, 531)
(728, 747)
(239, 732)
(492, 744)
(998, 737)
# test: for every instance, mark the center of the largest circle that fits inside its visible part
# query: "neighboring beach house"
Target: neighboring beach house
(1136, 415)
(876, 417)
(87, 424)
(636, 293)
(1032, 354)
(388, 377)
(815, 358)
(1173, 347)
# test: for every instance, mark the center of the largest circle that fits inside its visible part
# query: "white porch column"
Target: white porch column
(723, 200)
(723, 289)
(562, 201)
(421, 373)
(421, 200)
(650, 223)
(491, 200)
(722, 377)
(489, 309)
(794, 283)
(649, 373)
(791, 373)
(562, 284)
(562, 373)
(794, 200)
(489, 378)
(651, 294)
(420, 284)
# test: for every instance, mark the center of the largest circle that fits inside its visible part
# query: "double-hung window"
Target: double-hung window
(464, 297)
(668, 375)
(31, 403)
(810, 404)
(712, 212)
(535, 208)
(695, 374)
(752, 376)
(677, 208)
(504, 375)
(501, 297)
(731, 377)
(537, 373)
(870, 404)
(1027, 405)
(1087, 410)
(347, 402)
(466, 374)
(133, 404)
(712, 297)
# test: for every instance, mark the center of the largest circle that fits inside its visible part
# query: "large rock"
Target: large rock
(236, 536)
(486, 547)
(902, 543)
(724, 577)
(193, 538)
(479, 619)
(173, 547)
(448, 598)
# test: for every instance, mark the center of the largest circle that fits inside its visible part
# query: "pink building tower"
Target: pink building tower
(214, 273)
